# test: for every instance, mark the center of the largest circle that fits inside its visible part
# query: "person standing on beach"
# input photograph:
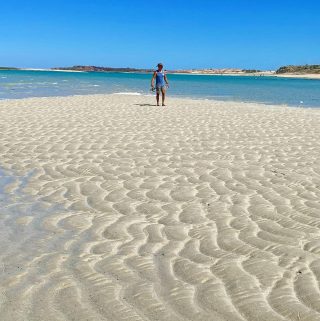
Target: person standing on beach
(161, 83)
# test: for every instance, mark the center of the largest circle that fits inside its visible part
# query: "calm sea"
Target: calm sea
(269, 90)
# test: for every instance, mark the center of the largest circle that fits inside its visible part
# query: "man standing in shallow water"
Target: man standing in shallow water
(161, 83)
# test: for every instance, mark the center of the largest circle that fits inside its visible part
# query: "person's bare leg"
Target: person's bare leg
(158, 97)
(163, 96)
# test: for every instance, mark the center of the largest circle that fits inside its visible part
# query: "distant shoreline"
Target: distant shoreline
(196, 72)
(298, 76)
(301, 76)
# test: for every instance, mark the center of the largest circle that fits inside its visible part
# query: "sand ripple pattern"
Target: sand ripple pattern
(198, 211)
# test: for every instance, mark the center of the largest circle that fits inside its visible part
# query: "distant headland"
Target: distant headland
(306, 69)
(298, 71)
(101, 69)
(186, 71)
(9, 68)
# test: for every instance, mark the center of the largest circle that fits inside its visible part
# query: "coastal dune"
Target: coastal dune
(115, 209)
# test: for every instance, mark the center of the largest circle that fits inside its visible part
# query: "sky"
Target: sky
(251, 34)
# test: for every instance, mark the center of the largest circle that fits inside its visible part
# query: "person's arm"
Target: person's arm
(166, 80)
(152, 80)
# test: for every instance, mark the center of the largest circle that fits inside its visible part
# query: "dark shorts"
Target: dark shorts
(160, 89)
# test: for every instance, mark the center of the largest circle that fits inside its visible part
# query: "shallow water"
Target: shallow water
(22, 237)
(269, 90)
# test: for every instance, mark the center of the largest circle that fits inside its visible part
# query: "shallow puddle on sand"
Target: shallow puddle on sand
(22, 237)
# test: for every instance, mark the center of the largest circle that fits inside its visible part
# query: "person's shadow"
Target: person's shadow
(145, 105)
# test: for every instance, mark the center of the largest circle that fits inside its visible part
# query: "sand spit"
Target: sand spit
(115, 209)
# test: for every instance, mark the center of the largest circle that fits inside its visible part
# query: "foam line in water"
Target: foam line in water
(128, 93)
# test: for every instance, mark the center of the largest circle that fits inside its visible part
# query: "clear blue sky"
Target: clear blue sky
(183, 34)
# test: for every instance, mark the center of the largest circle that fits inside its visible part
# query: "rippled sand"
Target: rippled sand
(115, 209)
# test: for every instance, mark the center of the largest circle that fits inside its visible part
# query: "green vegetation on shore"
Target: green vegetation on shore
(251, 71)
(306, 69)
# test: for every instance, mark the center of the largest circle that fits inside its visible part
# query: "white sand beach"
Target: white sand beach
(254, 74)
(115, 209)
(303, 76)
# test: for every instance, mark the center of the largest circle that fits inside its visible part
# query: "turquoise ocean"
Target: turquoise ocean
(268, 90)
